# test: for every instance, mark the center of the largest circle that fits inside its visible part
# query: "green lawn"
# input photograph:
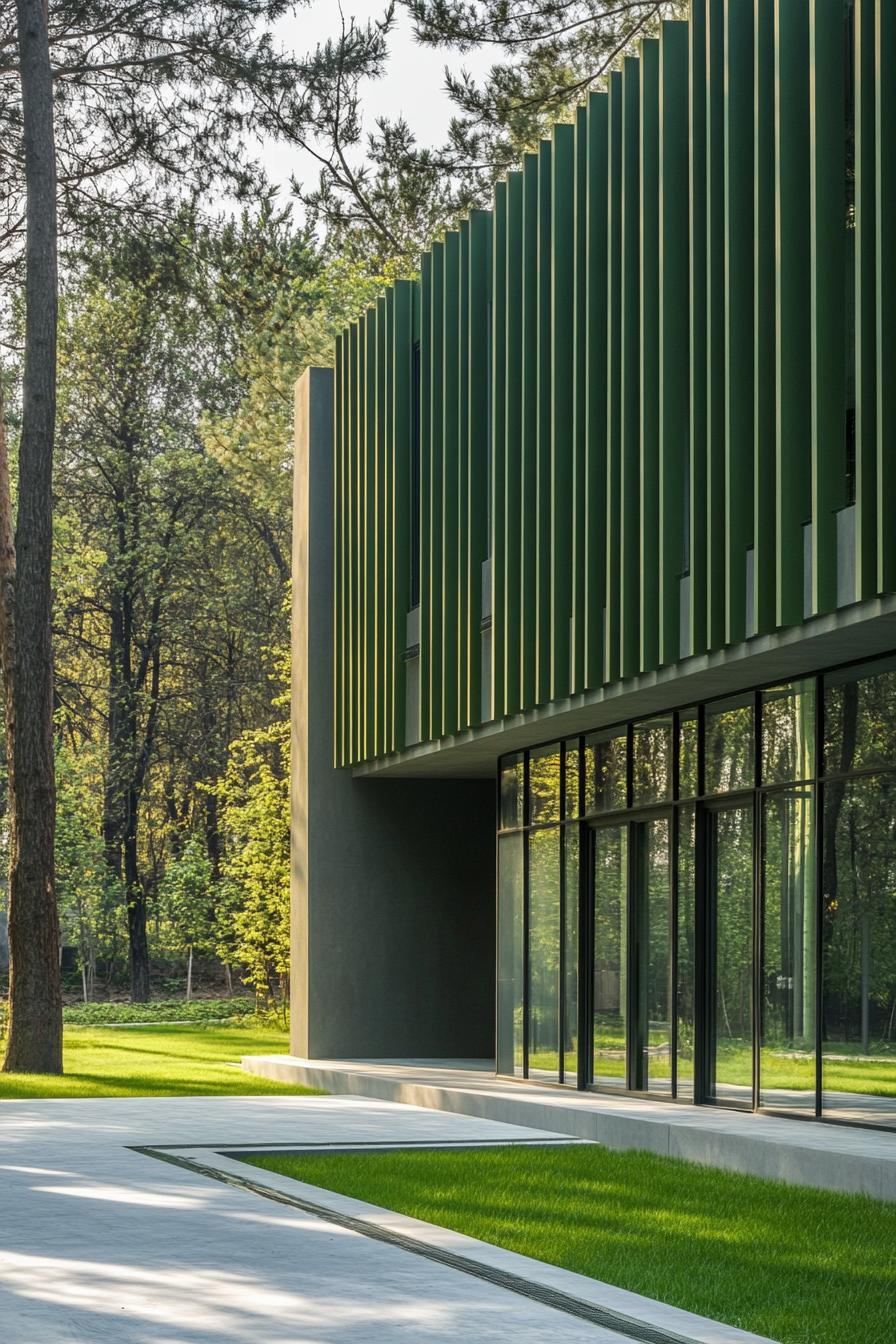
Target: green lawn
(158, 1061)
(799, 1266)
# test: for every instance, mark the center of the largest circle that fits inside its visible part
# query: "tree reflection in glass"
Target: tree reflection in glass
(610, 946)
(652, 761)
(859, 969)
(787, 1058)
(729, 762)
(605, 771)
(544, 954)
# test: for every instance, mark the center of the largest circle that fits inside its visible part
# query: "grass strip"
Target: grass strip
(796, 1265)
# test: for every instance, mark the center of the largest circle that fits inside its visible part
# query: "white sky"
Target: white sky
(413, 84)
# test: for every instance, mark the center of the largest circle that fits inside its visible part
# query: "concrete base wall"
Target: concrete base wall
(393, 882)
(401, 926)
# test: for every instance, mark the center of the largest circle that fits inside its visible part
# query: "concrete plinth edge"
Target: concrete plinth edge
(839, 1158)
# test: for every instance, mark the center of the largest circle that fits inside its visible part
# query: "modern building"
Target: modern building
(595, 572)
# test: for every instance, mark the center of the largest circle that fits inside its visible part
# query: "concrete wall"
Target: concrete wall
(393, 881)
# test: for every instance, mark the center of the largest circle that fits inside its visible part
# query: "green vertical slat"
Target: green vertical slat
(382, 520)
(716, 457)
(697, 464)
(792, 302)
(629, 595)
(402, 356)
(885, 161)
(371, 538)
(425, 607)
(827, 99)
(614, 375)
(436, 489)
(595, 448)
(348, 545)
(580, 402)
(477, 447)
(361, 502)
(764, 528)
(387, 652)
(648, 509)
(674, 299)
(338, 539)
(355, 524)
(865, 302)
(450, 427)
(739, 305)
(561, 355)
(499, 358)
(358, 512)
(529, 447)
(510, 501)
(462, 580)
(543, 455)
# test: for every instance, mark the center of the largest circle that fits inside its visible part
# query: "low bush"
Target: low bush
(163, 1010)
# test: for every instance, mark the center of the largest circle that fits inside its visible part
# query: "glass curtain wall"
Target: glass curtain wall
(704, 905)
(538, 915)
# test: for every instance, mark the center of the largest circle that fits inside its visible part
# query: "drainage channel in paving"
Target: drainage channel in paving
(627, 1315)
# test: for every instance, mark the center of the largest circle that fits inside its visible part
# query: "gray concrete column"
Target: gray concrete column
(393, 881)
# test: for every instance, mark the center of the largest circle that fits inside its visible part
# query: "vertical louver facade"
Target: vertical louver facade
(644, 407)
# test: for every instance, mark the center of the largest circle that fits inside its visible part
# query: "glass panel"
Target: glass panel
(860, 719)
(652, 761)
(729, 761)
(788, 732)
(687, 754)
(687, 953)
(655, 978)
(859, 970)
(511, 791)
(605, 771)
(610, 984)
(730, 882)
(510, 953)
(571, 957)
(571, 768)
(544, 954)
(544, 784)
(787, 1052)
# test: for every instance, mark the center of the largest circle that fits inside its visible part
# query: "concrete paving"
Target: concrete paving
(801, 1152)
(102, 1242)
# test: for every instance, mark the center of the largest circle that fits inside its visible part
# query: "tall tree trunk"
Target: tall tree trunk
(138, 944)
(35, 1019)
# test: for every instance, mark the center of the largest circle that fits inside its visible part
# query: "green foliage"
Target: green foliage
(162, 1010)
(90, 897)
(796, 1265)
(253, 912)
(186, 892)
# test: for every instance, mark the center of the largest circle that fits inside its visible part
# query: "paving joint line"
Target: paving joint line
(373, 1145)
(629, 1327)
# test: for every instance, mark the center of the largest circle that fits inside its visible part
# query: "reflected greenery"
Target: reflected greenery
(512, 792)
(605, 771)
(729, 763)
(544, 950)
(788, 733)
(860, 720)
(652, 761)
(544, 785)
